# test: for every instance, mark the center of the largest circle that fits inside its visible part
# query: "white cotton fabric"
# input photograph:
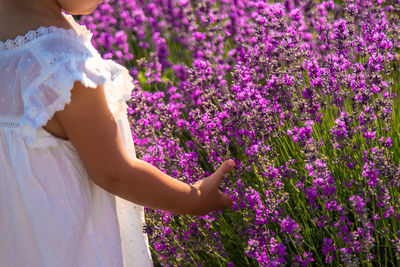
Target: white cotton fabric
(51, 212)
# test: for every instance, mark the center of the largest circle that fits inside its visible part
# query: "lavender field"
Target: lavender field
(301, 94)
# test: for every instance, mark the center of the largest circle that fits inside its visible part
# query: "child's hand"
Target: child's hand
(211, 198)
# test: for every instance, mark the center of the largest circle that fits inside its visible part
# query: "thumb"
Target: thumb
(224, 169)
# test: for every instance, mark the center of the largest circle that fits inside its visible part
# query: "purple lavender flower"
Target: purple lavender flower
(301, 95)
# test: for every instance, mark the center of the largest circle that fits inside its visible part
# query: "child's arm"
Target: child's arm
(91, 128)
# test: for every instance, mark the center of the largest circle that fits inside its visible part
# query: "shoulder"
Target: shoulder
(26, 33)
(47, 45)
(61, 42)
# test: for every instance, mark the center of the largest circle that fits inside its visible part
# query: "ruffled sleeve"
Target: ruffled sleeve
(63, 62)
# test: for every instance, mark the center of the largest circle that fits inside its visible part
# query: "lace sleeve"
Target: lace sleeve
(51, 91)
(54, 91)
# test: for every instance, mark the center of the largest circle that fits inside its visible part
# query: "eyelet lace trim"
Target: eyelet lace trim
(13, 124)
(21, 40)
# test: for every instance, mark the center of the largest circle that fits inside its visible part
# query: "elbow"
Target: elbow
(106, 180)
(113, 176)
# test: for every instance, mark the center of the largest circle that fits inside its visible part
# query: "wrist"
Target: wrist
(196, 206)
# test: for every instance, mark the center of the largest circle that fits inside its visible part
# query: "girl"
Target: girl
(66, 149)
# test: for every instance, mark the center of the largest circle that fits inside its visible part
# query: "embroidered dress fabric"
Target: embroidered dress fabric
(51, 212)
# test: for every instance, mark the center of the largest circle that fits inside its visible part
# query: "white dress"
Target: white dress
(51, 213)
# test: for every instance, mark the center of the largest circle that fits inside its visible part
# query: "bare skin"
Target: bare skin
(87, 122)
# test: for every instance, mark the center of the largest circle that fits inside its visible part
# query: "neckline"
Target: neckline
(21, 40)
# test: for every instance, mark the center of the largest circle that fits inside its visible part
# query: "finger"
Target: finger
(224, 169)
(226, 200)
